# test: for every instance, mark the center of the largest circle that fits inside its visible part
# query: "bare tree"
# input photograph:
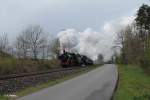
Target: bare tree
(55, 47)
(45, 50)
(131, 46)
(22, 46)
(32, 39)
(3, 43)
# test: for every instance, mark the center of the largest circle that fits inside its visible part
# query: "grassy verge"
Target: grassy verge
(51, 83)
(134, 84)
(3, 98)
(10, 65)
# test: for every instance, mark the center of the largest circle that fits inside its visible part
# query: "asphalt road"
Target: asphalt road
(98, 84)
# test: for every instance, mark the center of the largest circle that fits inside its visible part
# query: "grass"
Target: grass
(51, 83)
(7, 65)
(10, 65)
(134, 84)
(3, 98)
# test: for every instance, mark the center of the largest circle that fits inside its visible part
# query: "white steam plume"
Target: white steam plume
(92, 43)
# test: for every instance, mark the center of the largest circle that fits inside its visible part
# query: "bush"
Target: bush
(26, 66)
(7, 65)
(48, 64)
(145, 62)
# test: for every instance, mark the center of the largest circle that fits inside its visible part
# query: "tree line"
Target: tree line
(135, 40)
(32, 43)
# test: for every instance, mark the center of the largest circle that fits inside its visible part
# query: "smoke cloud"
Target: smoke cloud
(92, 43)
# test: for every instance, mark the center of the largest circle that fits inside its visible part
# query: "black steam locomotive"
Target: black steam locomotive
(71, 59)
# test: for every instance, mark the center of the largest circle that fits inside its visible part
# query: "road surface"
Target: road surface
(97, 84)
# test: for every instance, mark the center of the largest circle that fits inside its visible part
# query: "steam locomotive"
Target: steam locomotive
(71, 59)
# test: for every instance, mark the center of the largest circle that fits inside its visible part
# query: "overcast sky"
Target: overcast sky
(56, 15)
(91, 24)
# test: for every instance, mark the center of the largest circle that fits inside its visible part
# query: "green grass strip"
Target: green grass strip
(134, 84)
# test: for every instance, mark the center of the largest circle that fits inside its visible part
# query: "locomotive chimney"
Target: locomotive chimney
(64, 51)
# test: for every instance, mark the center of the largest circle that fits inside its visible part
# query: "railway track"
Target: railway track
(12, 76)
(11, 84)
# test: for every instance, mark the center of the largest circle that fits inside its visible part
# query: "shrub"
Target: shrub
(7, 65)
(145, 62)
(48, 64)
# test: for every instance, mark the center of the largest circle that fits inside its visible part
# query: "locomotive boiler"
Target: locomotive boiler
(71, 59)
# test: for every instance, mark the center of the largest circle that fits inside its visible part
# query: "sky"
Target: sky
(101, 16)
